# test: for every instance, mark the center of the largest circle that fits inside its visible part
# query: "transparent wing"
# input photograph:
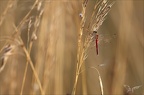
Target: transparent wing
(106, 38)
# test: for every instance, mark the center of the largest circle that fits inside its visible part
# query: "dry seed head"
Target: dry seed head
(29, 24)
(39, 5)
(34, 37)
(131, 90)
(136, 87)
(100, 16)
(85, 3)
(104, 1)
(41, 13)
(2, 63)
(6, 52)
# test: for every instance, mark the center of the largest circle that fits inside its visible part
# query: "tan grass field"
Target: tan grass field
(48, 47)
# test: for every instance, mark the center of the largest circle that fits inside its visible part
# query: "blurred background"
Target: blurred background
(54, 54)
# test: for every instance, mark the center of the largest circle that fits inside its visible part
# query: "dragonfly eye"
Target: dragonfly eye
(94, 31)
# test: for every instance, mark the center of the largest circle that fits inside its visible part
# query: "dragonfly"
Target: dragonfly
(102, 39)
(96, 41)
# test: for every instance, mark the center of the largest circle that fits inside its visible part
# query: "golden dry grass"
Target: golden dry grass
(45, 51)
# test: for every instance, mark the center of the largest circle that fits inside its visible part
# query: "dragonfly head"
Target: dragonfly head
(94, 31)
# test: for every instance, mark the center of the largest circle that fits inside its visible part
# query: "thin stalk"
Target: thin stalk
(33, 69)
(80, 46)
(24, 78)
(30, 62)
(100, 80)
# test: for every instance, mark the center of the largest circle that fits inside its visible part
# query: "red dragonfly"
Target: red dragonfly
(96, 41)
(102, 39)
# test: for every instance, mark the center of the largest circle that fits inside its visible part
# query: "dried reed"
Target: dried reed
(101, 9)
(46, 38)
(32, 39)
(16, 35)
